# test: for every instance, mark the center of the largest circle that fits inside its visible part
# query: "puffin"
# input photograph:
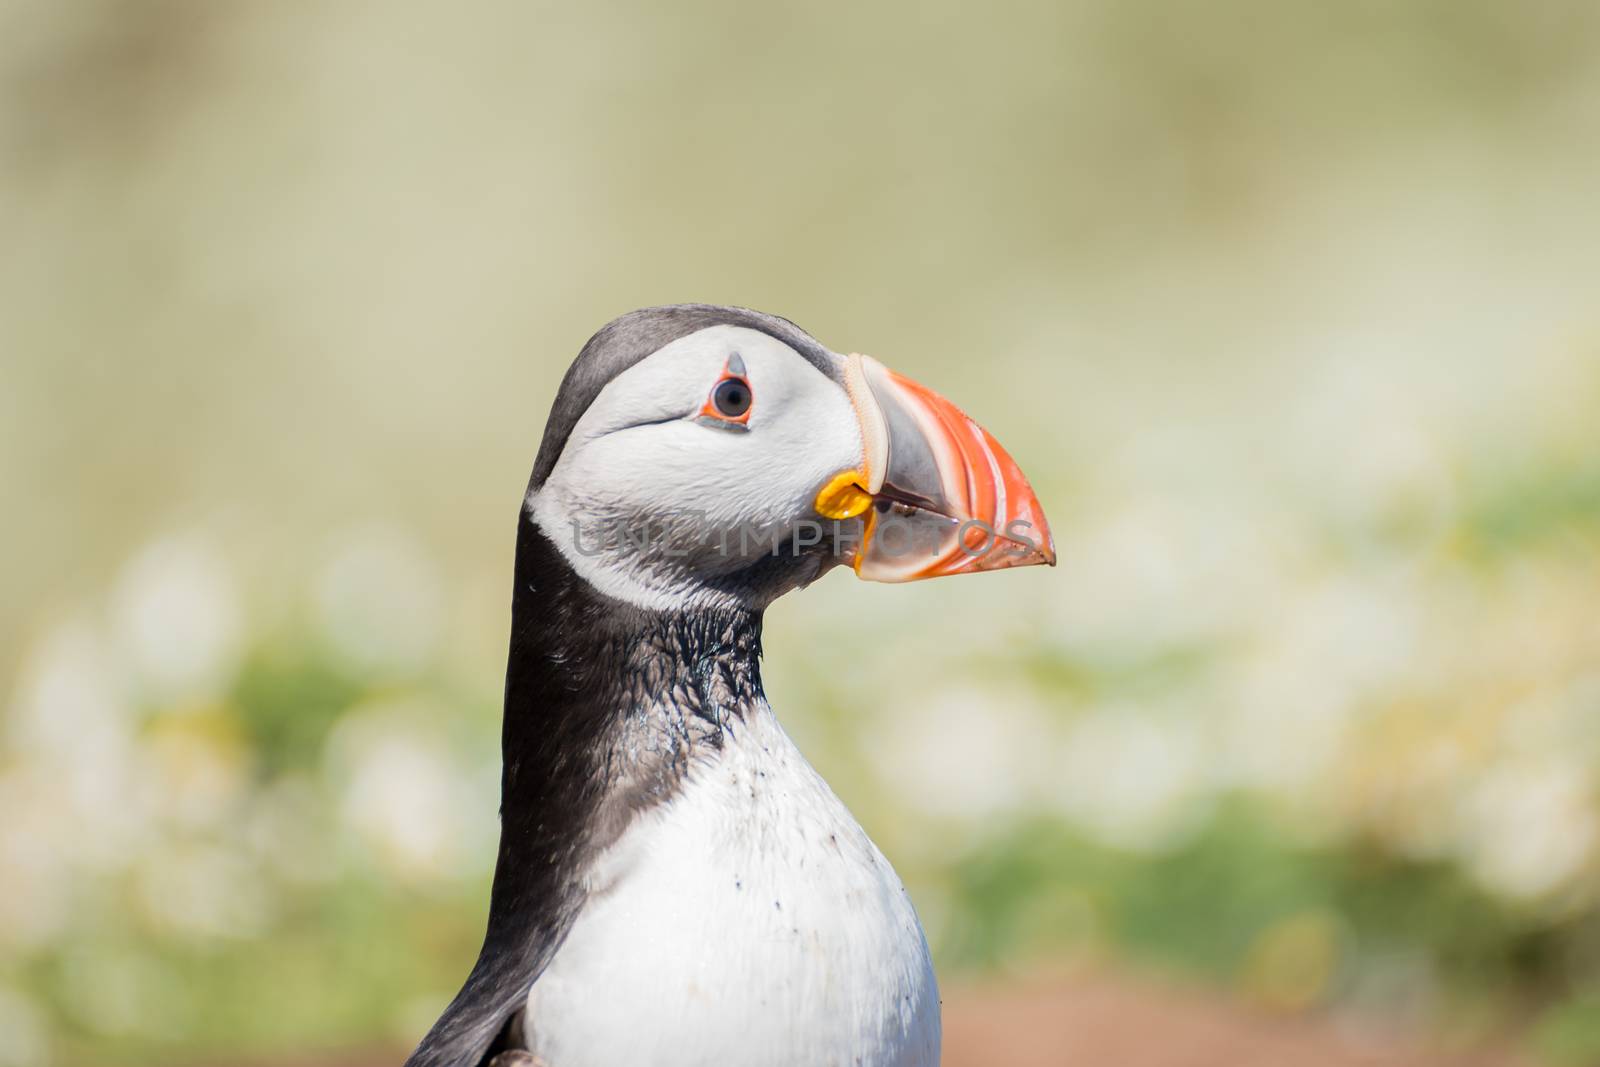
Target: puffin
(674, 884)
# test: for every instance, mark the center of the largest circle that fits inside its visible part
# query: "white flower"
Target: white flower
(193, 779)
(378, 599)
(69, 698)
(175, 615)
(204, 890)
(1130, 780)
(1528, 828)
(72, 725)
(400, 791)
(965, 753)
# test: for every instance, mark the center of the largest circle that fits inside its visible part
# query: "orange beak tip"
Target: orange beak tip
(948, 478)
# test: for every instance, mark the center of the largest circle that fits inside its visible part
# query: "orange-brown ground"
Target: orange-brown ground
(1102, 1020)
(1105, 1021)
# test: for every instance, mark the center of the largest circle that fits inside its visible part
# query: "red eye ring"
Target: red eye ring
(731, 399)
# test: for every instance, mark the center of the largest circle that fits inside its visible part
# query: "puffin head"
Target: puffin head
(699, 455)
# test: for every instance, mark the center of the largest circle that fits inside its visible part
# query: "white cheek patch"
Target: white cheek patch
(620, 582)
(640, 453)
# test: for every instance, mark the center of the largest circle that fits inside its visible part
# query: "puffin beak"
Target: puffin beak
(939, 494)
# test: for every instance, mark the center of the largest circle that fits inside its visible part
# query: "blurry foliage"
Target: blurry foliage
(1554, 503)
(1569, 1033)
(343, 925)
(288, 699)
(1208, 906)
(316, 814)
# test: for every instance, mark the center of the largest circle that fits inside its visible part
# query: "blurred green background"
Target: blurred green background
(1289, 310)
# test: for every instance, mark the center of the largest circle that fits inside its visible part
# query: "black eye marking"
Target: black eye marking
(731, 398)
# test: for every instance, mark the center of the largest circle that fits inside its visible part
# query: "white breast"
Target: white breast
(747, 921)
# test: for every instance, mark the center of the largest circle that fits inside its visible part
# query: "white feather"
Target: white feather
(639, 450)
(749, 920)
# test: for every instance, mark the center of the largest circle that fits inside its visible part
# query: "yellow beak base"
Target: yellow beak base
(843, 497)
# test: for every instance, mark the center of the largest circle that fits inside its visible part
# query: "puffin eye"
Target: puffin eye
(728, 406)
(731, 398)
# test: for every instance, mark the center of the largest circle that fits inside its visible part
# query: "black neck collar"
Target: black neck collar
(607, 707)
